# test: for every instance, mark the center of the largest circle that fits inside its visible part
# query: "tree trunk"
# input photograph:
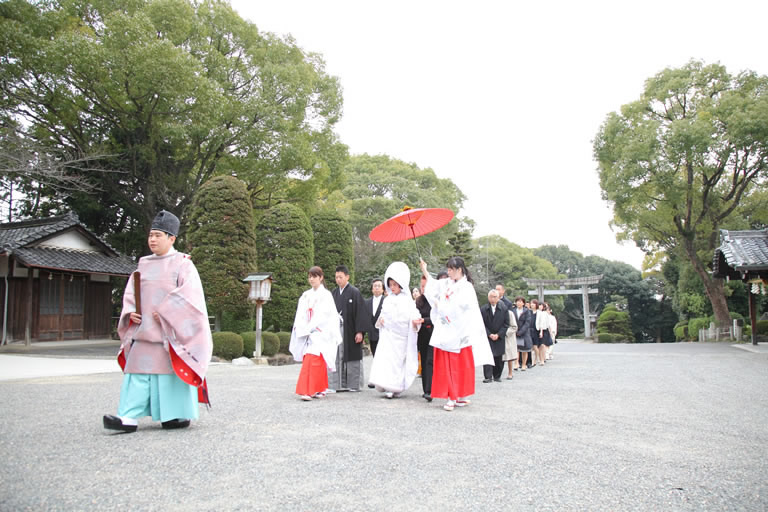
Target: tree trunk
(713, 287)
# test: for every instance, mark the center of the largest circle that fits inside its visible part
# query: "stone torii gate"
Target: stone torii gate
(561, 284)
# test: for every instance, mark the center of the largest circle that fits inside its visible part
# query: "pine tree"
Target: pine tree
(221, 242)
(333, 242)
(285, 248)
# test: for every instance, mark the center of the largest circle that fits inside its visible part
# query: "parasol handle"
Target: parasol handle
(415, 242)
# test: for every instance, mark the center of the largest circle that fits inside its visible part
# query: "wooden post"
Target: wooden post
(585, 303)
(752, 314)
(28, 326)
(257, 345)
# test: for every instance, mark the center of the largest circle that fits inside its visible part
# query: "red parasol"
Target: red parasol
(411, 223)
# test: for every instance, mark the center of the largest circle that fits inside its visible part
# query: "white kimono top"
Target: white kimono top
(316, 327)
(456, 318)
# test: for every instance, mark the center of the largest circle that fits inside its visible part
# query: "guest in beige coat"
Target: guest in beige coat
(510, 345)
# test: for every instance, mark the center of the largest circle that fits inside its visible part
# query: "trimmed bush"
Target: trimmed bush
(605, 337)
(615, 322)
(227, 345)
(694, 324)
(614, 337)
(270, 344)
(285, 340)
(681, 332)
(249, 343)
(233, 323)
(761, 327)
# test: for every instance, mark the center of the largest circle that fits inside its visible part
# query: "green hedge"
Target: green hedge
(227, 345)
(270, 344)
(612, 337)
(761, 327)
(285, 341)
(694, 324)
(230, 322)
(681, 332)
(249, 343)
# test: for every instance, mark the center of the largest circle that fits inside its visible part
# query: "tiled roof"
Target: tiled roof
(742, 251)
(78, 261)
(16, 237)
(18, 234)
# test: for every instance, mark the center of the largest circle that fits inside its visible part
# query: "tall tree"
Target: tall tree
(333, 242)
(677, 163)
(220, 239)
(378, 187)
(284, 244)
(499, 261)
(178, 91)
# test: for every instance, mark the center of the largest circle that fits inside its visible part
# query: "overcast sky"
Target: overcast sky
(505, 99)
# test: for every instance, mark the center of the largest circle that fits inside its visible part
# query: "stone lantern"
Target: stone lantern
(260, 289)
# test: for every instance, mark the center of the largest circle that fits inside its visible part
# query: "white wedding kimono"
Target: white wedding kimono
(397, 358)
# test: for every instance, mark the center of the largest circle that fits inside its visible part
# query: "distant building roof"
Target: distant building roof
(742, 255)
(22, 239)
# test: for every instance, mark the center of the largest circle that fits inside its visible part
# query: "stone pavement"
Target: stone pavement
(603, 427)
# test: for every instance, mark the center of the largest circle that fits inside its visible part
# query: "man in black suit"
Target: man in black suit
(496, 320)
(373, 306)
(355, 321)
(503, 298)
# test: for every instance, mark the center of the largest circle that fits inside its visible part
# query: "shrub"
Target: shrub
(285, 249)
(270, 343)
(761, 327)
(222, 243)
(227, 345)
(681, 332)
(285, 341)
(249, 342)
(233, 323)
(694, 324)
(615, 322)
(605, 337)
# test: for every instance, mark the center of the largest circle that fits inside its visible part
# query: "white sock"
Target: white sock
(129, 421)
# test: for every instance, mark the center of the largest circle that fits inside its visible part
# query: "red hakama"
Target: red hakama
(313, 377)
(453, 375)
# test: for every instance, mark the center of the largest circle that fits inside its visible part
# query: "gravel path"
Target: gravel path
(602, 427)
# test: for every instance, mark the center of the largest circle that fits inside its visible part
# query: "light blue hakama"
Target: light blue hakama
(165, 397)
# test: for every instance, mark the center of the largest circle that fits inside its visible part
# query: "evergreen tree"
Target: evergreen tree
(221, 241)
(333, 242)
(285, 248)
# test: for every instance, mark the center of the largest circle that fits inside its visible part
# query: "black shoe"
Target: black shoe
(496, 380)
(426, 397)
(371, 386)
(177, 423)
(115, 423)
(486, 381)
(353, 390)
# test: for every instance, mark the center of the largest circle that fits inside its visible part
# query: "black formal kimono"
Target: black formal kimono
(425, 350)
(496, 323)
(349, 367)
(373, 334)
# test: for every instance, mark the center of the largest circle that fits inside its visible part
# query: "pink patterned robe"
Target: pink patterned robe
(170, 287)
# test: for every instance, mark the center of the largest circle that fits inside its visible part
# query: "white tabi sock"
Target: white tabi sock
(129, 421)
